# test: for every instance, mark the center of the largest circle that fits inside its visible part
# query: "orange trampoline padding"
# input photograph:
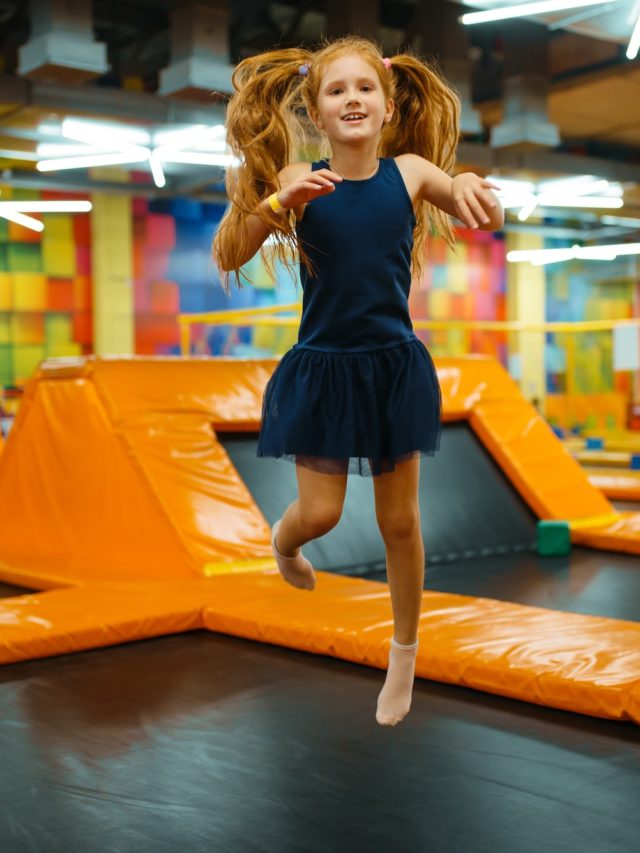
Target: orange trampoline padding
(616, 484)
(586, 664)
(113, 470)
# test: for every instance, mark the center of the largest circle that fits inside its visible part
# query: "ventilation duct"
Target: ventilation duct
(525, 122)
(199, 53)
(62, 47)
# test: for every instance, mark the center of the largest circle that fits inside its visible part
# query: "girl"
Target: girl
(358, 392)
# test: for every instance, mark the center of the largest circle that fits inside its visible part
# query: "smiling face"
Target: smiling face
(351, 105)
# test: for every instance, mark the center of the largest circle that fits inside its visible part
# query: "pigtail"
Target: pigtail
(265, 131)
(425, 122)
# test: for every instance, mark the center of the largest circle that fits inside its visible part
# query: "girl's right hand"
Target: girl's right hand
(307, 187)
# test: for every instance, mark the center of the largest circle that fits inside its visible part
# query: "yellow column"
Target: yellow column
(526, 303)
(112, 270)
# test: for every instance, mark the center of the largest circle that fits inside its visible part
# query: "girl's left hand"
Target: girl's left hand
(472, 199)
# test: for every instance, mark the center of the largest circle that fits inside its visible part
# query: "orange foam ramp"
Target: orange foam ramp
(584, 664)
(113, 471)
(113, 475)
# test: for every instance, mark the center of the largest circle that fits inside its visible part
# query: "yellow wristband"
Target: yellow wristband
(275, 204)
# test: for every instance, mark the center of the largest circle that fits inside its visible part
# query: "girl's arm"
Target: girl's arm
(468, 197)
(298, 185)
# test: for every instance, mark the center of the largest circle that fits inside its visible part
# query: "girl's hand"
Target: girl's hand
(472, 199)
(307, 187)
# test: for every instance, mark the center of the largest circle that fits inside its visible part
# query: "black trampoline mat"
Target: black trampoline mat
(202, 743)
(468, 507)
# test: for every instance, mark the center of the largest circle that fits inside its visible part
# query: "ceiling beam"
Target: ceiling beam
(107, 103)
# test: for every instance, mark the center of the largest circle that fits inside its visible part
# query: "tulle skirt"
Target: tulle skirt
(352, 411)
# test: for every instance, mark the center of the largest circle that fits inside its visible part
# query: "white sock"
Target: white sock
(297, 570)
(394, 700)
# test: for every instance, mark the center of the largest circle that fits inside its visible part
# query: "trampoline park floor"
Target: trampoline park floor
(203, 742)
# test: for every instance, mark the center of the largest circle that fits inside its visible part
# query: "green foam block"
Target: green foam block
(554, 538)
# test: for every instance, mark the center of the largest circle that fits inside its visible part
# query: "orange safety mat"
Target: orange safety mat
(113, 483)
(562, 660)
(617, 485)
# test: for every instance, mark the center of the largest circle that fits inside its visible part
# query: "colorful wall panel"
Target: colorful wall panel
(581, 290)
(465, 283)
(41, 291)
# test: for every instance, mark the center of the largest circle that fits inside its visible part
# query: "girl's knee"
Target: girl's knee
(400, 526)
(318, 520)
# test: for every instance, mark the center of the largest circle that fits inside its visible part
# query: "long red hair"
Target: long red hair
(268, 127)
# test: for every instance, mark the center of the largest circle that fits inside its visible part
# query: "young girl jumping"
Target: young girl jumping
(358, 392)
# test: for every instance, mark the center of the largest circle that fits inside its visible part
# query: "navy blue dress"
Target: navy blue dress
(358, 392)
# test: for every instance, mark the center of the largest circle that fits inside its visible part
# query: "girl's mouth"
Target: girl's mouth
(353, 117)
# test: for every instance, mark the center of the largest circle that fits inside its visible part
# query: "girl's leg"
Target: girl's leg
(398, 516)
(315, 512)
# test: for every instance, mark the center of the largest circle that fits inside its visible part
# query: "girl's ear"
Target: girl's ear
(315, 117)
(389, 111)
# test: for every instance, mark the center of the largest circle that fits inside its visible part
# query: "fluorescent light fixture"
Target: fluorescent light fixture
(518, 11)
(199, 159)
(627, 249)
(21, 219)
(634, 43)
(47, 150)
(18, 155)
(581, 185)
(191, 137)
(540, 257)
(119, 145)
(620, 220)
(559, 256)
(511, 184)
(157, 171)
(528, 209)
(552, 200)
(119, 158)
(45, 206)
(104, 135)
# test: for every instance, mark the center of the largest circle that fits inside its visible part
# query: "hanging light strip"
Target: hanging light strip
(523, 9)
(538, 257)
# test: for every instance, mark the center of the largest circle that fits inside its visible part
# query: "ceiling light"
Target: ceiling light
(21, 219)
(620, 220)
(45, 206)
(528, 209)
(539, 257)
(157, 171)
(634, 43)
(119, 158)
(113, 145)
(8, 154)
(552, 200)
(104, 135)
(522, 9)
(47, 150)
(191, 137)
(199, 159)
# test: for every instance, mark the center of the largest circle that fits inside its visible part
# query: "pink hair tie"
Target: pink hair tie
(386, 62)
(304, 69)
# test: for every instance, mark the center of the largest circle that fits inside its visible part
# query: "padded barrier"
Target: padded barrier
(617, 485)
(112, 483)
(584, 664)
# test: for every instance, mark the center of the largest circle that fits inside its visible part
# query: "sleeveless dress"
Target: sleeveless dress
(358, 392)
